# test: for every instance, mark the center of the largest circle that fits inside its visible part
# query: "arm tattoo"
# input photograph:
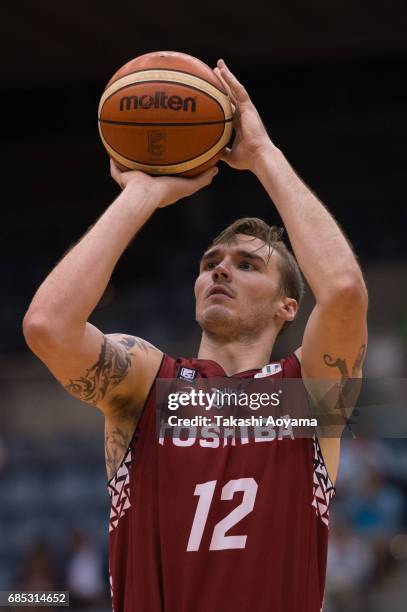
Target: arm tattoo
(116, 443)
(359, 360)
(339, 363)
(130, 341)
(110, 369)
(342, 365)
(349, 388)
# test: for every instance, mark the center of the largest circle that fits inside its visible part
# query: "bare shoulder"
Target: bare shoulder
(129, 342)
(112, 372)
(134, 364)
(120, 376)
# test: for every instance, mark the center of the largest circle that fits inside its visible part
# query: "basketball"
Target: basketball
(165, 113)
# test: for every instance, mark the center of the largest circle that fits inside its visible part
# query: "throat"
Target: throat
(236, 355)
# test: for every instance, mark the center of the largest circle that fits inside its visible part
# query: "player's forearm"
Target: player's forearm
(71, 291)
(322, 251)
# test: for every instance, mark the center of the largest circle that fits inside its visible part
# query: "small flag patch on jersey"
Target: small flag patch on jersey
(269, 370)
(186, 374)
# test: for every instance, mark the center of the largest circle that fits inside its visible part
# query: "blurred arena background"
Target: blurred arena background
(330, 82)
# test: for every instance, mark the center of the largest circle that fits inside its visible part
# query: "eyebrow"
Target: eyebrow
(240, 252)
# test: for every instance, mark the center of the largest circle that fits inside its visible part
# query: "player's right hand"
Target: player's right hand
(252, 139)
(168, 189)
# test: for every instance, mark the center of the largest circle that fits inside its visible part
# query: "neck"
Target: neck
(238, 355)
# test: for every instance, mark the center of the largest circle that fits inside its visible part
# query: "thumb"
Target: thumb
(204, 179)
(182, 187)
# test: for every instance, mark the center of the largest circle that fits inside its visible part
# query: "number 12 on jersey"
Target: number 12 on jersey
(219, 540)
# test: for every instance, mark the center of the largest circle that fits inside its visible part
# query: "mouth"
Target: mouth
(219, 291)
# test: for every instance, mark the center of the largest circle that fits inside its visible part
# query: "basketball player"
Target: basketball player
(212, 525)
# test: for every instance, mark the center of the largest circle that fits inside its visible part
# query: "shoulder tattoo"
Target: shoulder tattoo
(110, 369)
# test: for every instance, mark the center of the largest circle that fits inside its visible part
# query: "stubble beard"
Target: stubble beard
(222, 325)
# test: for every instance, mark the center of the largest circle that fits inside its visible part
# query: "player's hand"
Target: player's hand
(167, 189)
(251, 137)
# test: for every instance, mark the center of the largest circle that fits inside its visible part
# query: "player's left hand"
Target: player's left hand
(251, 137)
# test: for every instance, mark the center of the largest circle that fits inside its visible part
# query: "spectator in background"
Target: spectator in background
(84, 579)
(38, 572)
(378, 510)
(350, 567)
(368, 521)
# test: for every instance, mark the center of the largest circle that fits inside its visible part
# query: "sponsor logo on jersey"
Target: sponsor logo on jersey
(186, 374)
(269, 370)
(219, 437)
(158, 99)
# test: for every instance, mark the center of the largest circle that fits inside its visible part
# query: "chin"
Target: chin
(216, 318)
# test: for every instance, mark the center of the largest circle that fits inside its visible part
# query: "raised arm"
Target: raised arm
(112, 372)
(335, 338)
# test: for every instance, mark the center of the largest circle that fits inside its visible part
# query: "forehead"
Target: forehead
(246, 244)
(249, 243)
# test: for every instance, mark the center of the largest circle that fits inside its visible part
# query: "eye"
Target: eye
(210, 265)
(245, 265)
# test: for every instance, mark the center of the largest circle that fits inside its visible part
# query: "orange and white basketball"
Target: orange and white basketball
(165, 113)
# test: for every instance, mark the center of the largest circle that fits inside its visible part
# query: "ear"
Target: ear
(287, 310)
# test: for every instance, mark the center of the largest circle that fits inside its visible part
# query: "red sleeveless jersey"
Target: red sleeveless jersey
(218, 525)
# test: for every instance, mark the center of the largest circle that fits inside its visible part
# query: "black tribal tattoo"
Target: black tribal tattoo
(130, 341)
(116, 443)
(110, 369)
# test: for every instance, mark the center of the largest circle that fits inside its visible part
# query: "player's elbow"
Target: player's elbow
(353, 288)
(349, 291)
(37, 331)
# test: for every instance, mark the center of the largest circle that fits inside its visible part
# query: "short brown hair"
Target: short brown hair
(292, 284)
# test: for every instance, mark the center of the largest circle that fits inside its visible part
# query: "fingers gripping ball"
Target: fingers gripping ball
(165, 113)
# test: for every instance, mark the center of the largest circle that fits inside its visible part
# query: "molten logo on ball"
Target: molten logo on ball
(158, 100)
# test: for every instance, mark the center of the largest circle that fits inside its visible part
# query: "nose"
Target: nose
(220, 273)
